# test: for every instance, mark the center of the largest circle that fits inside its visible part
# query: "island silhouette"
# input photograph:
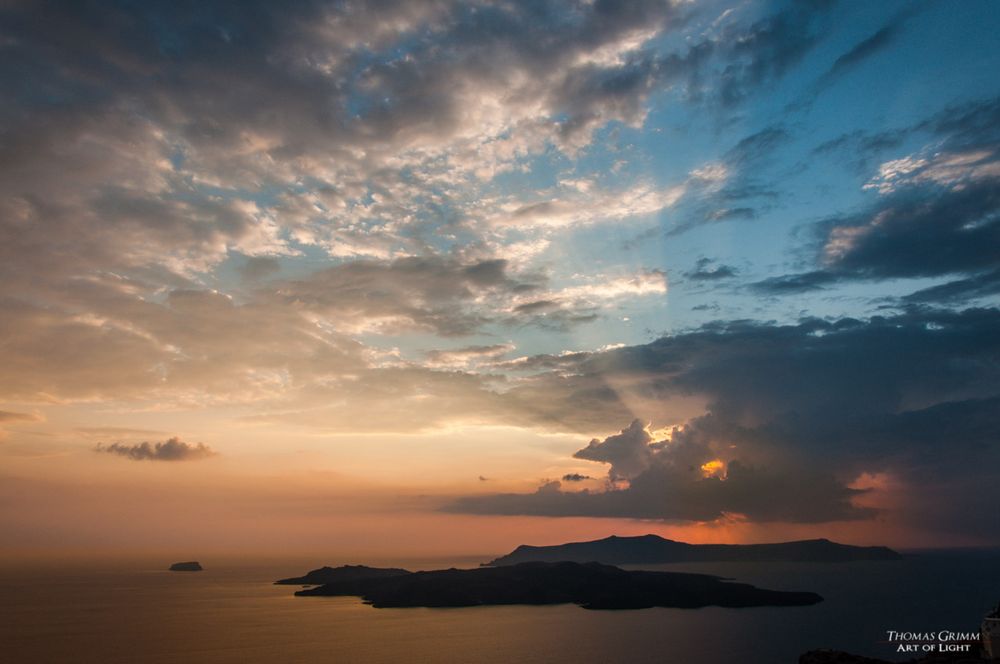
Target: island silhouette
(189, 566)
(590, 585)
(654, 550)
(341, 574)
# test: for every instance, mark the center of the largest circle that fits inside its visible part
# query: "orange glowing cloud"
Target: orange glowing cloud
(713, 468)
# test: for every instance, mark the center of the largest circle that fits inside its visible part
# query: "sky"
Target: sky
(428, 277)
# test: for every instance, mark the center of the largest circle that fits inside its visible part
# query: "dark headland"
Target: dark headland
(652, 550)
(340, 574)
(590, 585)
(189, 566)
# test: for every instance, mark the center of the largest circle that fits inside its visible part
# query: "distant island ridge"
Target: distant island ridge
(340, 574)
(189, 566)
(590, 585)
(655, 550)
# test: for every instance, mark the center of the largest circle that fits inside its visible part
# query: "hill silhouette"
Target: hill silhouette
(652, 549)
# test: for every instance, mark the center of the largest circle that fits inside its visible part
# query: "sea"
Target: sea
(134, 611)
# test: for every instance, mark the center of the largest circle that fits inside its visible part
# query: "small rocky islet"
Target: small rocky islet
(188, 566)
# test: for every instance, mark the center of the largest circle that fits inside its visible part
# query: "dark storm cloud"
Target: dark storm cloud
(764, 372)
(669, 485)
(173, 449)
(668, 495)
(796, 412)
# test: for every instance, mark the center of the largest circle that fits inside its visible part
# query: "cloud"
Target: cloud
(628, 452)
(430, 293)
(259, 267)
(345, 129)
(767, 49)
(937, 214)
(468, 355)
(186, 174)
(704, 271)
(864, 49)
(667, 489)
(757, 146)
(730, 190)
(795, 283)
(913, 396)
(591, 206)
(926, 233)
(10, 416)
(870, 46)
(575, 477)
(961, 290)
(173, 449)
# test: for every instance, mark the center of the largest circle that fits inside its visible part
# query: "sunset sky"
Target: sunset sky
(426, 277)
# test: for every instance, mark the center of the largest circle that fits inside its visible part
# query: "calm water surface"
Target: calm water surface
(137, 612)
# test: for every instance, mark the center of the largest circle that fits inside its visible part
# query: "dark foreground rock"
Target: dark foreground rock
(839, 657)
(342, 574)
(652, 549)
(190, 566)
(591, 585)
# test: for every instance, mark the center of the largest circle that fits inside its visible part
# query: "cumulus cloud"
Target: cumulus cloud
(172, 449)
(672, 482)
(628, 452)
